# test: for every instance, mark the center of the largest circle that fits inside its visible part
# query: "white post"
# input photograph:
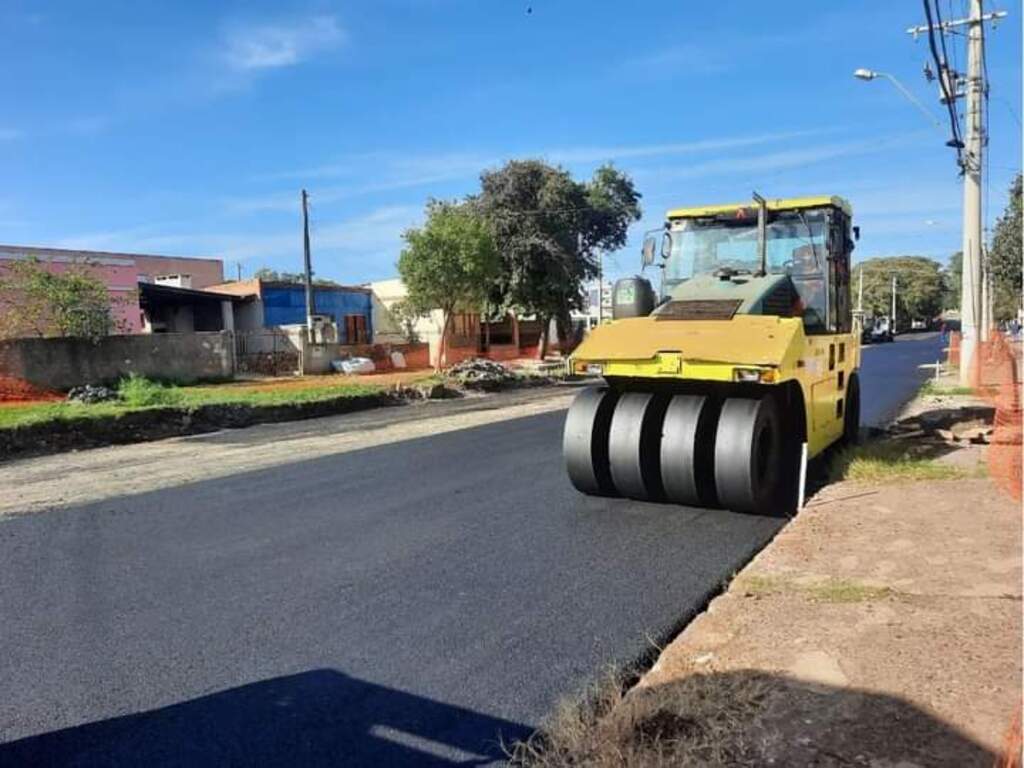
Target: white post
(803, 476)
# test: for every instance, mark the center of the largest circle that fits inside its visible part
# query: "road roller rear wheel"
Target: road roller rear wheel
(585, 441)
(751, 460)
(633, 445)
(687, 440)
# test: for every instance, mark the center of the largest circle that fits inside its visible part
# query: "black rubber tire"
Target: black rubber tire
(634, 444)
(851, 411)
(687, 451)
(585, 441)
(749, 455)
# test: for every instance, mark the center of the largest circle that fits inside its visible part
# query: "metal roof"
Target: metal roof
(778, 204)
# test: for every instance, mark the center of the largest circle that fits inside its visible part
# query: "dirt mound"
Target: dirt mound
(14, 390)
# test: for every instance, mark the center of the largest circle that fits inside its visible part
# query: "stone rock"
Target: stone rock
(90, 393)
(437, 392)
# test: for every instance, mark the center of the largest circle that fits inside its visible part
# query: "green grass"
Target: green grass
(931, 388)
(887, 460)
(138, 393)
(830, 591)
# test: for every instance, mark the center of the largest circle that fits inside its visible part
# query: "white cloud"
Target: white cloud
(685, 58)
(356, 249)
(255, 47)
(392, 171)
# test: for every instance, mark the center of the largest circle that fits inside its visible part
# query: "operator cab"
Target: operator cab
(807, 240)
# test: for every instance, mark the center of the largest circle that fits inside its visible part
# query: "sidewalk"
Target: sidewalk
(882, 627)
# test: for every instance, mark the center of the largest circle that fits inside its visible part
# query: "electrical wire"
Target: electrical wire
(943, 84)
(948, 82)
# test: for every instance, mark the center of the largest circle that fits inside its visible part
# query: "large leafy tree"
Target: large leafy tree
(548, 228)
(1005, 256)
(35, 301)
(920, 287)
(448, 264)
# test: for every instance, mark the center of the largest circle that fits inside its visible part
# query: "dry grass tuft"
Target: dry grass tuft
(701, 720)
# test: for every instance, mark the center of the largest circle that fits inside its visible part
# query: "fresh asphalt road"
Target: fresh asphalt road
(408, 604)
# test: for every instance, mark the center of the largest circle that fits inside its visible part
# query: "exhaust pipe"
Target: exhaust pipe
(762, 234)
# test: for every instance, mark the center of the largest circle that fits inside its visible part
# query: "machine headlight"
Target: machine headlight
(755, 375)
(595, 369)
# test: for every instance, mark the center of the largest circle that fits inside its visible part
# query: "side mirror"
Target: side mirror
(666, 245)
(856, 233)
(648, 250)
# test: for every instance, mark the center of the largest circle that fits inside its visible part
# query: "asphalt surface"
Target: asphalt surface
(410, 604)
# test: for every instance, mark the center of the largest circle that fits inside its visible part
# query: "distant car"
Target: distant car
(918, 325)
(882, 330)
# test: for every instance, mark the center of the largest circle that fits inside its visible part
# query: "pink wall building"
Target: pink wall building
(122, 272)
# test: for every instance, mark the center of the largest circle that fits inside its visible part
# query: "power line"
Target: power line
(940, 64)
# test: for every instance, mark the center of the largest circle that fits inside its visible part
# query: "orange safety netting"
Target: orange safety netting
(995, 374)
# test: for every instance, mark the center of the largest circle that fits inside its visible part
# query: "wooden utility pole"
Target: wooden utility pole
(310, 304)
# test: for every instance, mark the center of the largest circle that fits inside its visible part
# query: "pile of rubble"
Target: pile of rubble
(477, 373)
(91, 393)
(956, 424)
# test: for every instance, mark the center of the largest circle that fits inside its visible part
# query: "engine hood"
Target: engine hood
(749, 295)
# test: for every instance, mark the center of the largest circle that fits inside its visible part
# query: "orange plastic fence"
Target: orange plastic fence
(995, 374)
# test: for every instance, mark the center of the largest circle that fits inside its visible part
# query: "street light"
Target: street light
(870, 74)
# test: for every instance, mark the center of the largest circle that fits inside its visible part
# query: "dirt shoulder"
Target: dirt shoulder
(79, 477)
(881, 627)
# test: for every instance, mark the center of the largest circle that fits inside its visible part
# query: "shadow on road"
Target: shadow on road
(316, 718)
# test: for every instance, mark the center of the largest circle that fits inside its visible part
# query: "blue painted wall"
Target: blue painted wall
(286, 305)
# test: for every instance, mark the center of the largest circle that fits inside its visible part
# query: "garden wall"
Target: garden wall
(64, 363)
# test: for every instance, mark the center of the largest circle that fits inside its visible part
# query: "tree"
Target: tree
(406, 315)
(548, 228)
(273, 276)
(37, 302)
(920, 287)
(449, 264)
(1004, 256)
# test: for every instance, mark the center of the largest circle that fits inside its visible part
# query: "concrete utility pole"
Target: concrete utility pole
(975, 89)
(970, 296)
(310, 305)
(892, 320)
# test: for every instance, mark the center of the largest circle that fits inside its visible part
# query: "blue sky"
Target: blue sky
(189, 128)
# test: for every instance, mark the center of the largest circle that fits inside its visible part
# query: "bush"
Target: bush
(139, 391)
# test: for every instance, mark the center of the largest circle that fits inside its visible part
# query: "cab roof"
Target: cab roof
(778, 204)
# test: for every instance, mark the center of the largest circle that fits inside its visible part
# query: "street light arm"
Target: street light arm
(869, 74)
(912, 98)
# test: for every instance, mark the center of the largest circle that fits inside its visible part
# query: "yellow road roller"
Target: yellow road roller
(715, 380)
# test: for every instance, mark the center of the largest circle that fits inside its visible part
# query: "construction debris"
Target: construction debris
(477, 373)
(90, 393)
